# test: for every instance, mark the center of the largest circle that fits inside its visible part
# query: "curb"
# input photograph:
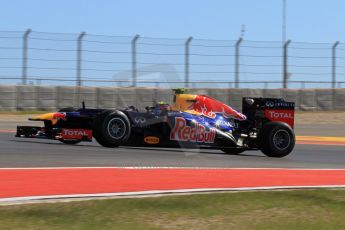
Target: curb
(154, 193)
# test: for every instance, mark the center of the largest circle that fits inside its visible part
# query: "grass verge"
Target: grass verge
(298, 209)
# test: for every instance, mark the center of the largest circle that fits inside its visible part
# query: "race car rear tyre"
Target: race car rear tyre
(277, 139)
(111, 129)
(232, 151)
(70, 142)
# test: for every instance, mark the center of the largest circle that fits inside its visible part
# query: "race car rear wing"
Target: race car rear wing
(271, 109)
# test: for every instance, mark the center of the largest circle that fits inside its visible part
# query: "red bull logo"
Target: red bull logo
(209, 107)
(59, 116)
(198, 133)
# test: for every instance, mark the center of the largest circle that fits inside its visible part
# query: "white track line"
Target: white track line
(158, 167)
(42, 199)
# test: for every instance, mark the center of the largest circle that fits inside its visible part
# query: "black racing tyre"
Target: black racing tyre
(70, 142)
(277, 139)
(111, 128)
(68, 109)
(233, 151)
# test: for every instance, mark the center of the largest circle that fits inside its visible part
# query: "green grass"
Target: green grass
(302, 209)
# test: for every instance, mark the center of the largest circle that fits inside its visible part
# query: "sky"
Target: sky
(307, 20)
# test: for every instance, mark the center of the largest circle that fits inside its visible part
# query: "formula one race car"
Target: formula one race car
(192, 121)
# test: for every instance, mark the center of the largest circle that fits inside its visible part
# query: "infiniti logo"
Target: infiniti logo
(270, 104)
(139, 120)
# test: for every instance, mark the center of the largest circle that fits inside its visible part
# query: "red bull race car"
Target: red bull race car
(192, 121)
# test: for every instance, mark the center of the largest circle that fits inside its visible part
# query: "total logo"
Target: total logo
(76, 134)
(283, 115)
(198, 133)
(280, 114)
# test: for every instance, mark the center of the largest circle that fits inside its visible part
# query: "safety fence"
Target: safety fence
(52, 98)
(40, 58)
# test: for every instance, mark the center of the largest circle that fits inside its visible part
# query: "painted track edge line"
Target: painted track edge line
(322, 143)
(42, 199)
(7, 131)
(166, 167)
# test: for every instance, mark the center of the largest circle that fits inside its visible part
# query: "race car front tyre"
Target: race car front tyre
(277, 139)
(233, 151)
(111, 129)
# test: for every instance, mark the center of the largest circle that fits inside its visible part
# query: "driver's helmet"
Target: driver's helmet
(161, 107)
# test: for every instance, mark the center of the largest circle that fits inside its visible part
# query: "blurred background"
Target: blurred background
(55, 54)
(235, 44)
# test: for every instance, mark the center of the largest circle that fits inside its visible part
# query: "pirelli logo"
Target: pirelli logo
(151, 140)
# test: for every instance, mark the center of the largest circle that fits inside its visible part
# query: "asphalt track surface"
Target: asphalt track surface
(21, 152)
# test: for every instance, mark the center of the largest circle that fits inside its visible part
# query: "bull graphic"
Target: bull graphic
(209, 107)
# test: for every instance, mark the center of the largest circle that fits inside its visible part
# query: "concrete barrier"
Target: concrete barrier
(235, 98)
(126, 97)
(220, 94)
(291, 95)
(204, 91)
(46, 98)
(307, 98)
(26, 98)
(272, 93)
(339, 99)
(51, 98)
(253, 93)
(107, 98)
(324, 99)
(88, 95)
(164, 95)
(66, 97)
(8, 98)
(144, 97)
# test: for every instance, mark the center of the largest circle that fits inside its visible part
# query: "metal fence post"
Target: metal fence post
(186, 76)
(334, 64)
(25, 56)
(134, 60)
(79, 53)
(285, 64)
(334, 74)
(237, 62)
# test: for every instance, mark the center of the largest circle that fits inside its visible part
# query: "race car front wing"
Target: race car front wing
(54, 133)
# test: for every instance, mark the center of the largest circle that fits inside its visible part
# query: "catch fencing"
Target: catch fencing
(82, 59)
